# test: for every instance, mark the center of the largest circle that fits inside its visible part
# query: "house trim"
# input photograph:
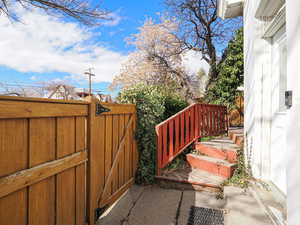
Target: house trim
(278, 21)
(230, 8)
(267, 9)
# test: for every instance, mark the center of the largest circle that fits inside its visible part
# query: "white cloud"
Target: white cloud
(33, 78)
(46, 44)
(114, 20)
(193, 62)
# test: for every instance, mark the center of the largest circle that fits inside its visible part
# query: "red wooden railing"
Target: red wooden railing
(184, 128)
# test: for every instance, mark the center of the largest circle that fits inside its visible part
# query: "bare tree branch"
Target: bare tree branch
(201, 29)
(80, 10)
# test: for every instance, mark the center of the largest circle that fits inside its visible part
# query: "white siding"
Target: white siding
(257, 94)
(293, 118)
(264, 126)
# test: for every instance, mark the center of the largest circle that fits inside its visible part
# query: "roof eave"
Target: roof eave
(230, 8)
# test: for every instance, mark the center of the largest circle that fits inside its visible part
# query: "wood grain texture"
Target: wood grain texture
(13, 146)
(108, 149)
(115, 142)
(65, 136)
(81, 133)
(43, 100)
(13, 208)
(42, 141)
(33, 175)
(65, 199)
(127, 148)
(96, 165)
(9, 109)
(42, 202)
(107, 188)
(80, 171)
(43, 161)
(122, 155)
(80, 194)
(41, 195)
(118, 109)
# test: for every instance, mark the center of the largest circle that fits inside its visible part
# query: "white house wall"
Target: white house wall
(264, 126)
(293, 118)
(257, 95)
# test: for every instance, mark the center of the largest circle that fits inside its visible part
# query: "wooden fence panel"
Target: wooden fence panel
(43, 152)
(60, 162)
(113, 155)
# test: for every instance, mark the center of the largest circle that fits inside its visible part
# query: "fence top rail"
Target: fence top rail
(42, 100)
(174, 116)
(116, 104)
(184, 110)
(59, 101)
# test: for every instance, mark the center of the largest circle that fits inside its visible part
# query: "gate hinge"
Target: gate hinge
(99, 212)
(101, 109)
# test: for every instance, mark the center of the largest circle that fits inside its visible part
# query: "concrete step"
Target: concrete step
(238, 139)
(220, 149)
(188, 178)
(236, 135)
(214, 166)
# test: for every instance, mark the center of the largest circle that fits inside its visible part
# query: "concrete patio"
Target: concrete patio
(152, 205)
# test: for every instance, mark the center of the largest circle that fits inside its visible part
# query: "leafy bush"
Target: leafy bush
(153, 105)
(173, 104)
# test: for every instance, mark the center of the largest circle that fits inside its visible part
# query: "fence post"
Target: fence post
(95, 161)
(90, 191)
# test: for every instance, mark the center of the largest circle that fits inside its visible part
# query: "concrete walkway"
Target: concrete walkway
(152, 205)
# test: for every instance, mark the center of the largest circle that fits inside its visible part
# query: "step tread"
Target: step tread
(213, 160)
(195, 175)
(220, 144)
(236, 129)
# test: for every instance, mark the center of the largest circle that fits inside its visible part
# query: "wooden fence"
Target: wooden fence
(62, 161)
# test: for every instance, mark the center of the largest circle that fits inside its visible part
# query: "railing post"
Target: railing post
(226, 120)
(197, 121)
(171, 139)
(158, 150)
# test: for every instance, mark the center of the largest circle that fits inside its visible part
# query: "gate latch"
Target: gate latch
(101, 109)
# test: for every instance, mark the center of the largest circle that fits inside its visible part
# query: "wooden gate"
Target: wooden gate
(43, 156)
(113, 157)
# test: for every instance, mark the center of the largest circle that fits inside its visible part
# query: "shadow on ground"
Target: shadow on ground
(152, 205)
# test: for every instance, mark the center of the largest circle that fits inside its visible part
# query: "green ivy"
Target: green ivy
(153, 105)
(241, 174)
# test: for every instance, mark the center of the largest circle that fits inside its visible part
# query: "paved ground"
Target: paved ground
(152, 205)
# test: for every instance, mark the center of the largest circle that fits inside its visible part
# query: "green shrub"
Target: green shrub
(224, 89)
(173, 104)
(153, 105)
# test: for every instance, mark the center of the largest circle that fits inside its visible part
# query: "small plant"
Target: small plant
(220, 194)
(241, 174)
(180, 160)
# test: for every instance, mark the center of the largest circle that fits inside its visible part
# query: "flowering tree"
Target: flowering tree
(157, 59)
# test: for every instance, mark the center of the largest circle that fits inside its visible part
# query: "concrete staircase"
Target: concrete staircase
(209, 165)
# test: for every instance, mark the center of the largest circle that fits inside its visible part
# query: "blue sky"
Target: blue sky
(43, 48)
